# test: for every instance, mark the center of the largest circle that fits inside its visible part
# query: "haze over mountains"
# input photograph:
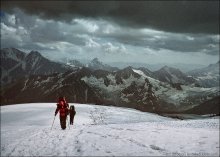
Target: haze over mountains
(165, 90)
(153, 67)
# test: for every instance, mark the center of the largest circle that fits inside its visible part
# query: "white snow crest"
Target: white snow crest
(112, 87)
(139, 72)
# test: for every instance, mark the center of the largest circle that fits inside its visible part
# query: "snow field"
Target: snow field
(103, 131)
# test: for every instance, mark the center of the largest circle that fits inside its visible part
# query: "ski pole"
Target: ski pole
(53, 122)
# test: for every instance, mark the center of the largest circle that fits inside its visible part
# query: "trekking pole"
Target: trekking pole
(53, 122)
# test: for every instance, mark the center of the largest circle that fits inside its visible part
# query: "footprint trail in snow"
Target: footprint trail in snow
(105, 131)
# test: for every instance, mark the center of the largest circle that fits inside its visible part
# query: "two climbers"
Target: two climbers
(63, 109)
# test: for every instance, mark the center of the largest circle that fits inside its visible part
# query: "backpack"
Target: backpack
(63, 108)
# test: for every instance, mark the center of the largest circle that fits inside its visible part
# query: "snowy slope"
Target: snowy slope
(187, 97)
(106, 131)
(207, 76)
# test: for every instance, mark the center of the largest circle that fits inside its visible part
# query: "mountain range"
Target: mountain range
(208, 76)
(37, 79)
(16, 64)
(154, 67)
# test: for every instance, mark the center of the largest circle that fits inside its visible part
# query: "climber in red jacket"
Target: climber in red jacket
(63, 108)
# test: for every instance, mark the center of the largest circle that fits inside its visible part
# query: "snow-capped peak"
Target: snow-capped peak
(95, 64)
(139, 72)
(208, 76)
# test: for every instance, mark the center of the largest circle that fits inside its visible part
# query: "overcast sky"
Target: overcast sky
(143, 31)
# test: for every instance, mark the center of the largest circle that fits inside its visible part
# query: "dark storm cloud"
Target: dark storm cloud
(156, 40)
(22, 30)
(171, 16)
(86, 38)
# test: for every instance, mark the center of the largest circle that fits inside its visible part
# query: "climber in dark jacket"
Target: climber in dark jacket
(72, 113)
(63, 108)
